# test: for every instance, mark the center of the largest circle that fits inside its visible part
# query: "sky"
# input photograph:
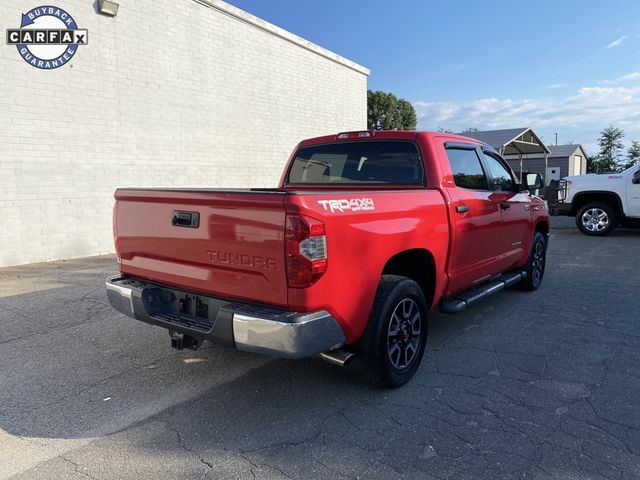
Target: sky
(566, 66)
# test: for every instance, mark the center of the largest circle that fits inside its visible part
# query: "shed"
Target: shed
(514, 144)
(563, 160)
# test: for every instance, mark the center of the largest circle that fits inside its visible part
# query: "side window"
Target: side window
(502, 181)
(467, 169)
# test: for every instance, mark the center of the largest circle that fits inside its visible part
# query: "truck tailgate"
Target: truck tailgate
(235, 251)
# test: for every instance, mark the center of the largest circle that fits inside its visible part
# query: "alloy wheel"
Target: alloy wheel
(403, 336)
(595, 220)
(537, 263)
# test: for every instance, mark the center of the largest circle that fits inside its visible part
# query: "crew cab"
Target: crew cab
(367, 232)
(599, 202)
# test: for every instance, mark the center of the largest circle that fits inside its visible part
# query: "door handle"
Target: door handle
(505, 206)
(462, 209)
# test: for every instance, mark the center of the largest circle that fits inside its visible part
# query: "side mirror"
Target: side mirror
(532, 181)
(636, 177)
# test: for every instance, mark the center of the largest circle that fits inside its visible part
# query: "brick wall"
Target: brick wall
(168, 93)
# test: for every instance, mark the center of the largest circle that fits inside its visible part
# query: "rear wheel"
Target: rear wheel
(535, 264)
(396, 336)
(596, 219)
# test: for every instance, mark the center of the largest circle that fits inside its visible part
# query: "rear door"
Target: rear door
(515, 210)
(476, 219)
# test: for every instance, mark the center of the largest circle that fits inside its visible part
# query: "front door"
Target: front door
(515, 208)
(476, 220)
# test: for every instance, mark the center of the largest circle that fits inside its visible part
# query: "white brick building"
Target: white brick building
(167, 93)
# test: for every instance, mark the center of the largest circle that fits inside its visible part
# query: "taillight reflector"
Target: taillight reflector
(306, 251)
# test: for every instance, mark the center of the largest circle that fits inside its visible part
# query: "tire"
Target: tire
(535, 264)
(596, 219)
(396, 335)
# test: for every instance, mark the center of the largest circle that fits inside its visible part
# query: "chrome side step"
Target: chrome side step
(472, 296)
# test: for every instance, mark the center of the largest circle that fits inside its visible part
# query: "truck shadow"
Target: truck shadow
(88, 371)
(94, 374)
(268, 414)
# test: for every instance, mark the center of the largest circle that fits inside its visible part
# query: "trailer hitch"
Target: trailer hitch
(180, 341)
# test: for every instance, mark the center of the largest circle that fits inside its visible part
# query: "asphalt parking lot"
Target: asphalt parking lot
(526, 385)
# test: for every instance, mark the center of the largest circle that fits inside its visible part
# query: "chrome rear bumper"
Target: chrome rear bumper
(248, 327)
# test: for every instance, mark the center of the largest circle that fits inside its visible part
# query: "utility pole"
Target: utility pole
(556, 139)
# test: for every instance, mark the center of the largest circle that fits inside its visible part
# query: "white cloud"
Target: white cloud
(617, 42)
(588, 110)
(622, 79)
(554, 86)
(628, 77)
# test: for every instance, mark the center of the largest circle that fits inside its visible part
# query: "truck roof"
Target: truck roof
(357, 135)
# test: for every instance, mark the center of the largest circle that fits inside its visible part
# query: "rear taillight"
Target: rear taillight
(306, 251)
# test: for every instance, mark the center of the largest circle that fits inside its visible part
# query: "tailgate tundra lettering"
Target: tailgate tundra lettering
(249, 261)
(354, 205)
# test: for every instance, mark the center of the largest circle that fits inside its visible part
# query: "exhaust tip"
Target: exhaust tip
(340, 358)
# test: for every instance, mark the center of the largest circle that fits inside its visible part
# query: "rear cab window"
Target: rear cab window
(375, 162)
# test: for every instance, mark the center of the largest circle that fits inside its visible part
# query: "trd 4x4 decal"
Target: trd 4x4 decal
(352, 205)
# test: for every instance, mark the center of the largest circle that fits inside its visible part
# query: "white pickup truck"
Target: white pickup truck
(599, 202)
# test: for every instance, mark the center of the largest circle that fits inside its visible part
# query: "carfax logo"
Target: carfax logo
(48, 37)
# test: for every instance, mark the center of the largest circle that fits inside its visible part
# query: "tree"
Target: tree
(385, 111)
(470, 130)
(597, 164)
(407, 115)
(610, 143)
(444, 130)
(633, 155)
(608, 158)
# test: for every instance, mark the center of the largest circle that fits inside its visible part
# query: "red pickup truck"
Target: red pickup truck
(367, 232)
